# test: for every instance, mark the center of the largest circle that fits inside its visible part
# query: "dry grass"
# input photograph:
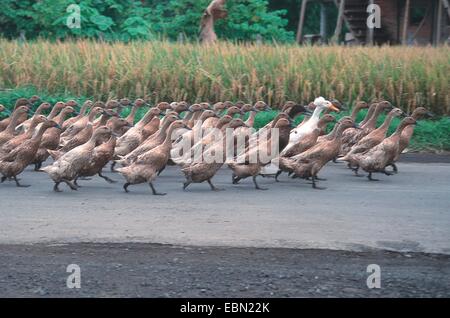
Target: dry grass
(169, 71)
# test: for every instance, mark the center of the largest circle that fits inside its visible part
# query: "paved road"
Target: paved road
(406, 212)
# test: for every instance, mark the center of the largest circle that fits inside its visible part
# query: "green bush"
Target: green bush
(124, 20)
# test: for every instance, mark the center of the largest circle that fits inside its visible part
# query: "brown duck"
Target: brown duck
(371, 140)
(101, 155)
(383, 154)
(366, 128)
(151, 143)
(251, 162)
(19, 139)
(68, 166)
(18, 159)
(9, 132)
(309, 163)
(50, 139)
(147, 166)
(204, 170)
(20, 102)
(87, 105)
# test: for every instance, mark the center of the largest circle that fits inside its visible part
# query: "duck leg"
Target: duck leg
(76, 183)
(125, 187)
(113, 165)
(186, 184)
(154, 190)
(20, 185)
(160, 171)
(3, 179)
(37, 166)
(394, 169)
(370, 177)
(213, 188)
(109, 180)
(71, 185)
(277, 175)
(235, 179)
(56, 188)
(256, 184)
(320, 179)
(314, 178)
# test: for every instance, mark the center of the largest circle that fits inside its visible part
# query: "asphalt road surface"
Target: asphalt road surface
(290, 232)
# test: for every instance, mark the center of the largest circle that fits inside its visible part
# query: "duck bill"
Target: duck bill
(268, 108)
(335, 108)
(429, 115)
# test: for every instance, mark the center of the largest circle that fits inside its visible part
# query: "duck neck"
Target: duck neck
(62, 117)
(168, 140)
(316, 114)
(371, 123)
(13, 123)
(34, 123)
(368, 116)
(84, 109)
(132, 115)
(54, 112)
(355, 112)
(37, 137)
(334, 132)
(338, 133)
(146, 119)
(387, 122)
(251, 119)
(91, 116)
(103, 120)
(187, 117)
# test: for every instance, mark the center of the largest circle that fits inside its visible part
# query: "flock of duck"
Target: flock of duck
(81, 143)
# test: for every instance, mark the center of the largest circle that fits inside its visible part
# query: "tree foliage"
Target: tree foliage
(126, 20)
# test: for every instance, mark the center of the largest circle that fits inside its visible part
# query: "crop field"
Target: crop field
(168, 71)
(165, 71)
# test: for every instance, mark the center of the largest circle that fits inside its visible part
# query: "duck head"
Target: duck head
(385, 105)
(125, 102)
(195, 108)
(421, 113)
(261, 106)
(227, 104)
(323, 104)
(50, 124)
(22, 102)
(140, 103)
(208, 114)
(39, 119)
(224, 120)
(99, 104)
(239, 104)
(236, 122)
(218, 107)
(112, 104)
(205, 106)
(347, 122)
(326, 119)
(180, 107)
(43, 106)
(163, 106)
(72, 103)
(397, 112)
(247, 108)
(34, 99)
(234, 110)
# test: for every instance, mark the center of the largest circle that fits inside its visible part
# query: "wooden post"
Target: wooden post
(439, 22)
(340, 20)
(301, 22)
(323, 22)
(447, 6)
(370, 31)
(406, 22)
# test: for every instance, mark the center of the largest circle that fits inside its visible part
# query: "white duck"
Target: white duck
(304, 129)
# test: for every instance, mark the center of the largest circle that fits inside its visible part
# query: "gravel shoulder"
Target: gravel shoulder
(152, 270)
